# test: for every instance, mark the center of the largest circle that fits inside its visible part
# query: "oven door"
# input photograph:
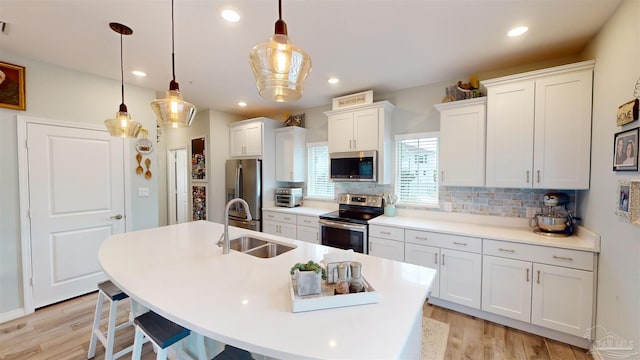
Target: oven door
(344, 235)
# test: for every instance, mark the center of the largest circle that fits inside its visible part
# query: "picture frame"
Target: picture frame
(12, 86)
(627, 112)
(625, 150)
(623, 199)
(198, 159)
(634, 202)
(199, 202)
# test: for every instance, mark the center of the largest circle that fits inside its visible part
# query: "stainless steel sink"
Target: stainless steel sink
(270, 250)
(259, 247)
(245, 243)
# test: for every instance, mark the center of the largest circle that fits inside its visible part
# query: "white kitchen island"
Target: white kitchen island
(241, 300)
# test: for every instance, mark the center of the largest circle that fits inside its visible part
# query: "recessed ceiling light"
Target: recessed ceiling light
(230, 15)
(333, 81)
(139, 73)
(242, 103)
(517, 31)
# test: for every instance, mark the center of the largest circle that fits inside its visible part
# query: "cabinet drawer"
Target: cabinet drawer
(281, 217)
(386, 232)
(311, 221)
(541, 254)
(457, 242)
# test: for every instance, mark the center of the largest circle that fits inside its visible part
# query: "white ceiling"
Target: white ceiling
(369, 44)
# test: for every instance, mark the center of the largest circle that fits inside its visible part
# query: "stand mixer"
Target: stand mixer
(557, 219)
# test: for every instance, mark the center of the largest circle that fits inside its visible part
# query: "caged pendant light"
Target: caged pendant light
(122, 125)
(173, 111)
(280, 67)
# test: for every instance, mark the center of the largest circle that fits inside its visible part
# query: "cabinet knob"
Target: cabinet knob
(527, 275)
(538, 176)
(527, 176)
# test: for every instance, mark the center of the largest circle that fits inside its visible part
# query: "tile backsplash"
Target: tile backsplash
(472, 200)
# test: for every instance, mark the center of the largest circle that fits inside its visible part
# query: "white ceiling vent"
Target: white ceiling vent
(347, 101)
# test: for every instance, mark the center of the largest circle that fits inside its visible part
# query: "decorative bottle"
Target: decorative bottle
(342, 285)
(356, 278)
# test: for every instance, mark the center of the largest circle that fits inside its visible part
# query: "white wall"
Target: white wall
(617, 53)
(60, 94)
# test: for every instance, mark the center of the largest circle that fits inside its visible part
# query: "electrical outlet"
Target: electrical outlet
(531, 212)
(447, 206)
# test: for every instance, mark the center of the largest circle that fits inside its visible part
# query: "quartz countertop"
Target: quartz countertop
(583, 239)
(180, 273)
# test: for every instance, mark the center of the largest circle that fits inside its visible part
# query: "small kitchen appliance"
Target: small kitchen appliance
(348, 228)
(288, 197)
(555, 219)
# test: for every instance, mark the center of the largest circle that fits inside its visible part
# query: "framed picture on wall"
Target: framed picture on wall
(199, 202)
(198, 159)
(12, 92)
(625, 150)
(623, 200)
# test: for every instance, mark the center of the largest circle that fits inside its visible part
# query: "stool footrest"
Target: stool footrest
(163, 332)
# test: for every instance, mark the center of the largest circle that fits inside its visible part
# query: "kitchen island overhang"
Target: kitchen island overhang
(241, 300)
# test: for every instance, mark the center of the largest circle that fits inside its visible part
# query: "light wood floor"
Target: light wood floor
(62, 331)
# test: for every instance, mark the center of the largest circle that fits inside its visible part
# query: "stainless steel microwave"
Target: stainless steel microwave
(354, 166)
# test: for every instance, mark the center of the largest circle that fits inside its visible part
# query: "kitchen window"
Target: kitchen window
(417, 169)
(318, 184)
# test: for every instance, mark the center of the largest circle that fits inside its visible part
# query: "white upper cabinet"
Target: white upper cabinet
(462, 142)
(539, 128)
(290, 154)
(363, 128)
(245, 139)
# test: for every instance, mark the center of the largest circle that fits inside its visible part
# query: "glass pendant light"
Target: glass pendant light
(122, 125)
(173, 111)
(279, 66)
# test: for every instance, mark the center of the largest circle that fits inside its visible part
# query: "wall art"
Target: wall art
(12, 87)
(625, 150)
(198, 159)
(199, 202)
(622, 198)
(634, 202)
(627, 112)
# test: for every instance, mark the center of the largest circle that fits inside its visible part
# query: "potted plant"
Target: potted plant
(308, 277)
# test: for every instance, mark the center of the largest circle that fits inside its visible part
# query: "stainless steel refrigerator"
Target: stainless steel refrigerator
(244, 180)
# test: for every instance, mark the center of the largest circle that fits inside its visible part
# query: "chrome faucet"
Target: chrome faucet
(226, 244)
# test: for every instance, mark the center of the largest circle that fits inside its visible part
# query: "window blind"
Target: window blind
(318, 184)
(417, 168)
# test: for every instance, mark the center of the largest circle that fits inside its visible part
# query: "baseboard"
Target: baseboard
(516, 324)
(11, 315)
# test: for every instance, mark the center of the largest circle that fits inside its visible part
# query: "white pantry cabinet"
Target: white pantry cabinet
(545, 286)
(290, 154)
(362, 128)
(462, 142)
(457, 259)
(246, 138)
(386, 242)
(539, 128)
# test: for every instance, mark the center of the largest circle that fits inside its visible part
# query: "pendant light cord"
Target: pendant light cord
(121, 69)
(173, 55)
(279, 9)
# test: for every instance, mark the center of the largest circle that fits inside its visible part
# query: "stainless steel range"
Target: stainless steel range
(348, 228)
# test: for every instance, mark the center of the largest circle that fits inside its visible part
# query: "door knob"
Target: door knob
(117, 217)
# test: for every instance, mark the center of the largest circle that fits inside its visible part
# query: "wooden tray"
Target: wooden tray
(327, 299)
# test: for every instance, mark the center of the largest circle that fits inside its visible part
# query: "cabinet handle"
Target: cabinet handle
(354, 144)
(421, 238)
(459, 243)
(538, 281)
(527, 275)
(442, 176)
(527, 176)
(562, 258)
(435, 258)
(287, 218)
(385, 232)
(442, 259)
(350, 143)
(507, 250)
(538, 176)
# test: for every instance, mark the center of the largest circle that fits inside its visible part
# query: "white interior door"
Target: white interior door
(179, 171)
(76, 200)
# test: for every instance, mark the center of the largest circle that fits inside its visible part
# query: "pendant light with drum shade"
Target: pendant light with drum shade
(280, 67)
(122, 125)
(173, 111)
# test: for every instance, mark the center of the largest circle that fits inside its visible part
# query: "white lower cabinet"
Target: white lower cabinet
(386, 242)
(299, 227)
(549, 287)
(457, 260)
(278, 228)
